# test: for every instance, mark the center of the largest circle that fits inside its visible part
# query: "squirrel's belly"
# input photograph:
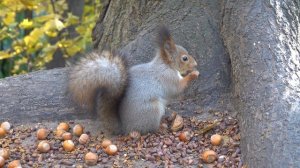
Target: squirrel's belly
(159, 104)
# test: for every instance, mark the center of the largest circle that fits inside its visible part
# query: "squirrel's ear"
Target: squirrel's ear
(170, 46)
(166, 44)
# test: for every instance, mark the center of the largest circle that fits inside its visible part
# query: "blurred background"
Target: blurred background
(39, 34)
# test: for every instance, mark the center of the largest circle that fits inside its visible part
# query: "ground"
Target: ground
(162, 149)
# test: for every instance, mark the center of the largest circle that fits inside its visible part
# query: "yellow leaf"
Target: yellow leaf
(44, 18)
(9, 18)
(59, 25)
(14, 5)
(23, 60)
(59, 44)
(23, 72)
(39, 64)
(49, 25)
(65, 43)
(48, 57)
(26, 24)
(31, 39)
(48, 53)
(16, 68)
(54, 24)
(4, 55)
(31, 4)
(51, 33)
(36, 33)
(71, 20)
(80, 29)
(18, 49)
(73, 49)
(38, 46)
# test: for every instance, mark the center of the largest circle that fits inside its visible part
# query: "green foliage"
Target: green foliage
(31, 31)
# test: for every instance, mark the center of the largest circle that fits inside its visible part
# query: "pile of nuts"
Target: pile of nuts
(4, 153)
(180, 144)
(61, 133)
(207, 156)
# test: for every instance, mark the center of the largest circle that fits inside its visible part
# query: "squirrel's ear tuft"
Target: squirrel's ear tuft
(165, 39)
(163, 35)
(166, 44)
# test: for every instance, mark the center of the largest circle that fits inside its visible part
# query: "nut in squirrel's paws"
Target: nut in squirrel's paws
(194, 74)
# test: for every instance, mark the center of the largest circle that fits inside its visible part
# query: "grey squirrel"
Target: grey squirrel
(132, 99)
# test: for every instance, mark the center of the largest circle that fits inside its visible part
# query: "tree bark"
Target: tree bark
(37, 97)
(248, 55)
(262, 42)
(262, 38)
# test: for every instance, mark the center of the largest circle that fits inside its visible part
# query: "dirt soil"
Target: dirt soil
(162, 149)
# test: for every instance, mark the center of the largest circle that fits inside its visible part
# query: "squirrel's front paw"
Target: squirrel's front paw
(194, 74)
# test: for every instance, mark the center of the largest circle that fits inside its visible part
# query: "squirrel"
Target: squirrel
(132, 99)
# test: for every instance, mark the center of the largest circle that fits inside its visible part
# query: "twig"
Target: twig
(208, 127)
(53, 6)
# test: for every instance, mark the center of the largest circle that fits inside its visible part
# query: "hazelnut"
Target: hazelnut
(185, 136)
(4, 153)
(91, 158)
(14, 164)
(177, 124)
(105, 143)
(67, 136)
(59, 133)
(63, 126)
(6, 126)
(209, 156)
(42, 133)
(111, 149)
(2, 161)
(43, 146)
(78, 130)
(216, 139)
(68, 145)
(2, 132)
(83, 139)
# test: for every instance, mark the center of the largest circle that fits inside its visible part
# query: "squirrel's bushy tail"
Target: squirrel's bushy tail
(97, 72)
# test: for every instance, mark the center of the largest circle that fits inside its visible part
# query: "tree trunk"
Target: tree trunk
(262, 42)
(262, 38)
(37, 97)
(247, 53)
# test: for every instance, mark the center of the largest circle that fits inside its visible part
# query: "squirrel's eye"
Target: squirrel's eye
(184, 58)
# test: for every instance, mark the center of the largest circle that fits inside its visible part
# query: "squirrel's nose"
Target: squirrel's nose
(194, 64)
